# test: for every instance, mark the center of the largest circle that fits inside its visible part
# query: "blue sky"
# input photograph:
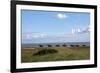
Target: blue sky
(46, 26)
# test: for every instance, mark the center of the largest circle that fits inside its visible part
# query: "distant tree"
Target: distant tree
(40, 45)
(77, 45)
(57, 45)
(64, 45)
(49, 45)
(72, 45)
(84, 45)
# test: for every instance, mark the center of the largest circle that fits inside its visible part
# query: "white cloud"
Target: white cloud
(78, 30)
(33, 35)
(26, 36)
(86, 30)
(42, 35)
(61, 16)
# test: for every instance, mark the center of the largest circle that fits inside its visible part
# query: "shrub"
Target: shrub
(45, 52)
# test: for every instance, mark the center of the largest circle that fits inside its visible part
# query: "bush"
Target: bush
(45, 52)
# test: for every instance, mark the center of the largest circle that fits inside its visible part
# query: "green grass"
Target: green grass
(61, 54)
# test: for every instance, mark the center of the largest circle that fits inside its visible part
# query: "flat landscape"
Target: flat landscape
(54, 54)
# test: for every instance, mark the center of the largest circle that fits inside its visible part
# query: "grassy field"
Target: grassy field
(63, 53)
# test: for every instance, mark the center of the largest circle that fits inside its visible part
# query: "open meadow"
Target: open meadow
(54, 54)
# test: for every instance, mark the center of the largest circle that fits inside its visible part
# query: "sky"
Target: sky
(54, 26)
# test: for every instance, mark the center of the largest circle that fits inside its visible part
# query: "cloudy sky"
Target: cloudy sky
(46, 26)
